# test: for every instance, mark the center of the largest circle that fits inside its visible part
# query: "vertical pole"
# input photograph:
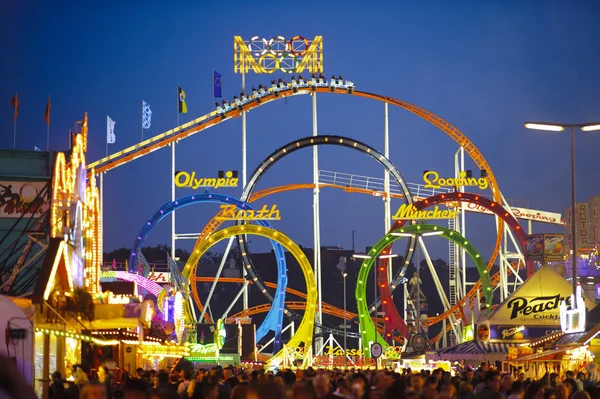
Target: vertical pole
(142, 120)
(386, 183)
(244, 177)
(48, 137)
(15, 134)
(345, 346)
(102, 206)
(316, 223)
(375, 296)
(463, 227)
(173, 240)
(45, 367)
(573, 210)
(418, 310)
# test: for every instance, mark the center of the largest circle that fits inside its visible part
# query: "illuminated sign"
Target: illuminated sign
(21, 197)
(390, 351)
(522, 213)
(184, 179)
(160, 277)
(231, 212)
(432, 180)
(278, 54)
(199, 349)
(409, 212)
(514, 332)
(538, 307)
(573, 320)
(545, 247)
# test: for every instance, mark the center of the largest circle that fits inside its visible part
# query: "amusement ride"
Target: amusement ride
(181, 303)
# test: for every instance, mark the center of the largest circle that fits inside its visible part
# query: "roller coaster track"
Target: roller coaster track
(214, 224)
(209, 120)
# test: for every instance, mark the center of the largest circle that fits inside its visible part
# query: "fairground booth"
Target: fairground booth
(531, 314)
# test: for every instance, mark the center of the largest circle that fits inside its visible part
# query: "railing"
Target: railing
(376, 184)
(122, 266)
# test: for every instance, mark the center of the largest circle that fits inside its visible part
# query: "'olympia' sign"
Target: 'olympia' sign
(262, 55)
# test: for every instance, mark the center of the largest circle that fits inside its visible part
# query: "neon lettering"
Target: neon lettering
(230, 212)
(535, 306)
(409, 212)
(267, 56)
(432, 180)
(184, 179)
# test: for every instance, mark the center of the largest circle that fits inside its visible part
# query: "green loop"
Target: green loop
(368, 330)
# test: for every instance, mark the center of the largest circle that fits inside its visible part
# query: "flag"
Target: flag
(216, 84)
(114, 264)
(48, 110)
(110, 131)
(182, 106)
(146, 115)
(15, 103)
(36, 148)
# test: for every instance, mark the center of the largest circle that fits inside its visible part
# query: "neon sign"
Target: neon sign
(409, 212)
(184, 179)
(513, 332)
(230, 212)
(270, 55)
(432, 180)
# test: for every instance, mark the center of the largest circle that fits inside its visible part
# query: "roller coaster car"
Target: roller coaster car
(349, 87)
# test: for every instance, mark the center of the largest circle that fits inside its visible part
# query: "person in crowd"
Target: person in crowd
(93, 390)
(517, 390)
(183, 386)
(229, 377)
(491, 388)
(534, 390)
(505, 385)
(57, 388)
(105, 378)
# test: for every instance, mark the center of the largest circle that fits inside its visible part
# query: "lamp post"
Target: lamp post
(344, 274)
(558, 127)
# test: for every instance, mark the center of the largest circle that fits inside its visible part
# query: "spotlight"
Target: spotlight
(469, 174)
(221, 174)
(234, 174)
(483, 173)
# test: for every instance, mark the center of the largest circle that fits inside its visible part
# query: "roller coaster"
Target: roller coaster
(277, 307)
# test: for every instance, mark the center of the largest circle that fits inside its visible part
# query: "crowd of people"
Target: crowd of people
(236, 383)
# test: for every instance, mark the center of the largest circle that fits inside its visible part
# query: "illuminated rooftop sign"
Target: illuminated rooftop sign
(573, 320)
(263, 55)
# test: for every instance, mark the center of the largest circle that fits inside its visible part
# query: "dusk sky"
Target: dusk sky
(486, 67)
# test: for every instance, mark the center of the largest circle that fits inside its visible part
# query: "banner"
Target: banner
(554, 248)
(594, 205)
(17, 197)
(523, 213)
(535, 247)
(582, 224)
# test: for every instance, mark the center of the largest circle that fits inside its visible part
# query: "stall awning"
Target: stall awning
(475, 350)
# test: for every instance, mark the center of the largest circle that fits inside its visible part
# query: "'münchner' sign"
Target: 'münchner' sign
(537, 301)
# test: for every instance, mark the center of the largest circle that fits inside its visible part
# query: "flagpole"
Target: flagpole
(213, 90)
(173, 178)
(48, 137)
(15, 134)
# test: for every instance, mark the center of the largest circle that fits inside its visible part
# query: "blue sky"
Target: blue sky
(486, 67)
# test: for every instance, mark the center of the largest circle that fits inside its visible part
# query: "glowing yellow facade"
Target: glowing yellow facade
(75, 214)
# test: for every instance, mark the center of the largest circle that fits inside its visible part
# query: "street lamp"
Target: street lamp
(344, 274)
(559, 127)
